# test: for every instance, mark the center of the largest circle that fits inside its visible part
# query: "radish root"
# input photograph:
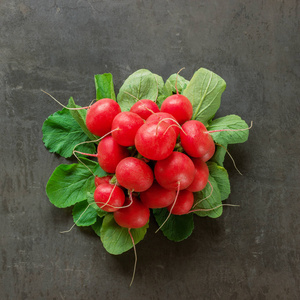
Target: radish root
(135, 256)
(212, 189)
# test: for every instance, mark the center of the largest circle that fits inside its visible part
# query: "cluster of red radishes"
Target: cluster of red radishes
(157, 155)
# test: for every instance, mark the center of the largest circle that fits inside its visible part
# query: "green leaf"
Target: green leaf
(177, 228)
(79, 116)
(104, 86)
(84, 214)
(142, 84)
(97, 226)
(171, 83)
(61, 133)
(219, 155)
(207, 206)
(204, 91)
(91, 201)
(69, 184)
(229, 137)
(221, 177)
(116, 239)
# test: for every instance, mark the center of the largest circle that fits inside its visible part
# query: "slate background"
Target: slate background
(251, 252)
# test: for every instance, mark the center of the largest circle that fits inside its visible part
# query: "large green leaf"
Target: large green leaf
(206, 207)
(116, 239)
(232, 122)
(84, 214)
(69, 184)
(177, 228)
(142, 84)
(61, 133)
(221, 177)
(97, 226)
(104, 86)
(204, 91)
(170, 84)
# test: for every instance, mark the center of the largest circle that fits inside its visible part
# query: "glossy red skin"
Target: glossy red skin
(102, 194)
(183, 204)
(144, 108)
(135, 216)
(155, 118)
(157, 196)
(178, 167)
(178, 106)
(110, 153)
(201, 176)
(155, 141)
(99, 180)
(128, 124)
(195, 140)
(134, 174)
(210, 153)
(100, 115)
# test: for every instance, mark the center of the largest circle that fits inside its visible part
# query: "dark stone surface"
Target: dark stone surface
(251, 252)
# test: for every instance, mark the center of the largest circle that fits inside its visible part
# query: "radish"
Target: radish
(184, 203)
(178, 106)
(175, 172)
(155, 141)
(144, 108)
(109, 197)
(201, 176)
(100, 116)
(157, 196)
(196, 141)
(99, 180)
(135, 215)
(134, 174)
(155, 118)
(125, 126)
(110, 153)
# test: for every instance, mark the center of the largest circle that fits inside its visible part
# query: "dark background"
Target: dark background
(250, 252)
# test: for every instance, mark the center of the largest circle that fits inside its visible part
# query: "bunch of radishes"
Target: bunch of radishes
(156, 157)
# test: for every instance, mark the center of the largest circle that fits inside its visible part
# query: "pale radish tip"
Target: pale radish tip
(66, 231)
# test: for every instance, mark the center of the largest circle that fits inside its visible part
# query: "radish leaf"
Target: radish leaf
(61, 133)
(214, 200)
(84, 214)
(229, 137)
(116, 239)
(177, 228)
(69, 184)
(142, 84)
(204, 91)
(104, 86)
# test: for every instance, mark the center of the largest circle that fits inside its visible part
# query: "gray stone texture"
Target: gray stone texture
(250, 252)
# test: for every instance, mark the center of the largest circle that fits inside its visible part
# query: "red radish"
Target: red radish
(144, 108)
(100, 115)
(109, 197)
(155, 118)
(125, 126)
(155, 141)
(210, 153)
(178, 106)
(157, 196)
(110, 153)
(196, 141)
(99, 180)
(176, 170)
(134, 174)
(135, 215)
(201, 176)
(184, 203)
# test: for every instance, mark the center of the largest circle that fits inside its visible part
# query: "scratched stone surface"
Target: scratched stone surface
(250, 252)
